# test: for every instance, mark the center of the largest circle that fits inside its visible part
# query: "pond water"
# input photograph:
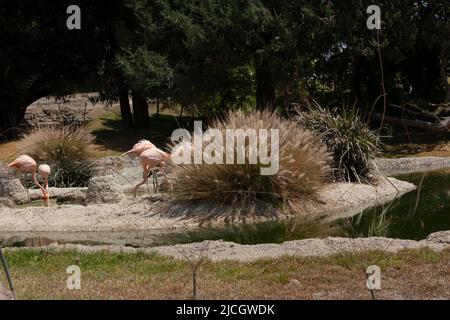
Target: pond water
(413, 216)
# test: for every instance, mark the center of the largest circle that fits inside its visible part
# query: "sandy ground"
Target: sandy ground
(347, 199)
(129, 215)
(342, 199)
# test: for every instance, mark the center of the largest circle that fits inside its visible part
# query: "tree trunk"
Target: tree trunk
(12, 111)
(140, 110)
(442, 127)
(265, 87)
(125, 108)
(8, 124)
(357, 78)
(157, 106)
(444, 76)
(11, 116)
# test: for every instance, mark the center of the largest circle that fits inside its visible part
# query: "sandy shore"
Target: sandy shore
(339, 200)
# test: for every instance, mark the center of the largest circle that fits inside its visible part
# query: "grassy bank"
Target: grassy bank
(415, 274)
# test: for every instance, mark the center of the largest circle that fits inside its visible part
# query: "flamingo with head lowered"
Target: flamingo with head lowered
(44, 171)
(140, 147)
(151, 159)
(27, 165)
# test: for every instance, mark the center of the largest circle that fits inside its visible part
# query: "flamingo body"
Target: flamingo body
(27, 165)
(151, 159)
(24, 164)
(140, 146)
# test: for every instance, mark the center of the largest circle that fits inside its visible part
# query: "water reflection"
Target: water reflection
(413, 216)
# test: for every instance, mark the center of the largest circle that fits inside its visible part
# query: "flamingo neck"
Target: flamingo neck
(39, 185)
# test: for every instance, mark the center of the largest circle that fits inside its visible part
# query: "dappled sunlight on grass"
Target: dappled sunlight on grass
(400, 143)
(111, 138)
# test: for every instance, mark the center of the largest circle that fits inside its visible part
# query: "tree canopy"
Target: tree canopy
(214, 55)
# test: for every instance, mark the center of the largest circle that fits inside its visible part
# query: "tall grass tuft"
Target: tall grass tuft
(347, 137)
(66, 149)
(239, 190)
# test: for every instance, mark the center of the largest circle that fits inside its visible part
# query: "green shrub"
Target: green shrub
(239, 190)
(347, 137)
(66, 149)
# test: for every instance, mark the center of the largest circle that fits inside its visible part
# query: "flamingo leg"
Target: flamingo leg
(156, 180)
(148, 188)
(144, 180)
(26, 186)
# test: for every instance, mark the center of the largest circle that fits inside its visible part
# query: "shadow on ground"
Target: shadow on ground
(398, 142)
(110, 133)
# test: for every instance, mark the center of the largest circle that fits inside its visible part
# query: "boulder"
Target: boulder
(104, 189)
(6, 202)
(440, 237)
(14, 190)
(73, 196)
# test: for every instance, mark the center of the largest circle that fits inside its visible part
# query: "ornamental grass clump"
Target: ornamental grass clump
(240, 190)
(66, 149)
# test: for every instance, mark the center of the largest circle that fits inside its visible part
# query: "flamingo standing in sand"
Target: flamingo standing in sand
(150, 160)
(140, 147)
(27, 165)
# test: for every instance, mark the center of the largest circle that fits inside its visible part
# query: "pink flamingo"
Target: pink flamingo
(26, 165)
(150, 160)
(44, 171)
(140, 147)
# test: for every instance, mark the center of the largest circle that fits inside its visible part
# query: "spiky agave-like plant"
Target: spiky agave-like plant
(239, 190)
(347, 137)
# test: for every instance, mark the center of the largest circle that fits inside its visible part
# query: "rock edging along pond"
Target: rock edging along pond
(390, 167)
(221, 250)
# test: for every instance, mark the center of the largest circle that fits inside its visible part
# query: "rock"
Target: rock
(408, 165)
(14, 190)
(75, 196)
(159, 197)
(6, 202)
(440, 237)
(104, 189)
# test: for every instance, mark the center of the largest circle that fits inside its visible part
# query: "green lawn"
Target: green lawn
(111, 138)
(417, 274)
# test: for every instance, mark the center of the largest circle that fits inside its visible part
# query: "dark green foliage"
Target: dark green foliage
(347, 137)
(40, 56)
(211, 56)
(68, 173)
